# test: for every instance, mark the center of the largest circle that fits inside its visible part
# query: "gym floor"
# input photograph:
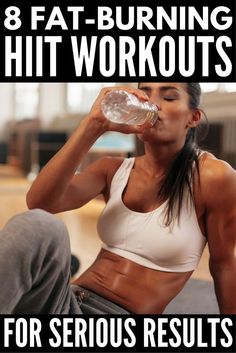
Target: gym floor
(81, 223)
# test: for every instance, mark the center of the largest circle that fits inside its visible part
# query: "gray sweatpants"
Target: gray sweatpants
(35, 269)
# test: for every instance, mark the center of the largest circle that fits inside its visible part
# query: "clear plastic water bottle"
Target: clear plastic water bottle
(122, 107)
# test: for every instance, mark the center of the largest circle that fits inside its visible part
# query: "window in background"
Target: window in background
(209, 87)
(26, 100)
(218, 87)
(80, 96)
(230, 87)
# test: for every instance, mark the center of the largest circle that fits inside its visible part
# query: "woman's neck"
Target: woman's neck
(158, 159)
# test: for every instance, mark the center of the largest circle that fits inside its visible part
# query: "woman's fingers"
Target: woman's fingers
(96, 111)
(129, 129)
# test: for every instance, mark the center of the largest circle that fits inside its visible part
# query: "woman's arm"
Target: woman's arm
(57, 188)
(219, 190)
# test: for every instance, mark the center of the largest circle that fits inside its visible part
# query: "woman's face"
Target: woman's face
(175, 116)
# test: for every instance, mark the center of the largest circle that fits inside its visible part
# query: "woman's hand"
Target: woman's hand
(96, 116)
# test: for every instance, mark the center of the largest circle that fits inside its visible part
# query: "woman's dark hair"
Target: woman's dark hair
(180, 173)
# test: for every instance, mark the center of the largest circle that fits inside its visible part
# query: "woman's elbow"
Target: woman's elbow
(221, 265)
(33, 202)
(48, 205)
(30, 201)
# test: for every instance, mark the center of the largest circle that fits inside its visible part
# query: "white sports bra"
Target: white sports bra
(143, 237)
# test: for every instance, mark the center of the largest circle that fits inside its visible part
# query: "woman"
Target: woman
(161, 207)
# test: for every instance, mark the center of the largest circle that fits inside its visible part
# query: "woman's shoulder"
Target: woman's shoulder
(216, 175)
(109, 165)
(213, 168)
(111, 161)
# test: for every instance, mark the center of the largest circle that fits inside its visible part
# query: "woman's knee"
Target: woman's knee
(37, 226)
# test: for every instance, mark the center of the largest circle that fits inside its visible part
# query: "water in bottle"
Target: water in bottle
(123, 107)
